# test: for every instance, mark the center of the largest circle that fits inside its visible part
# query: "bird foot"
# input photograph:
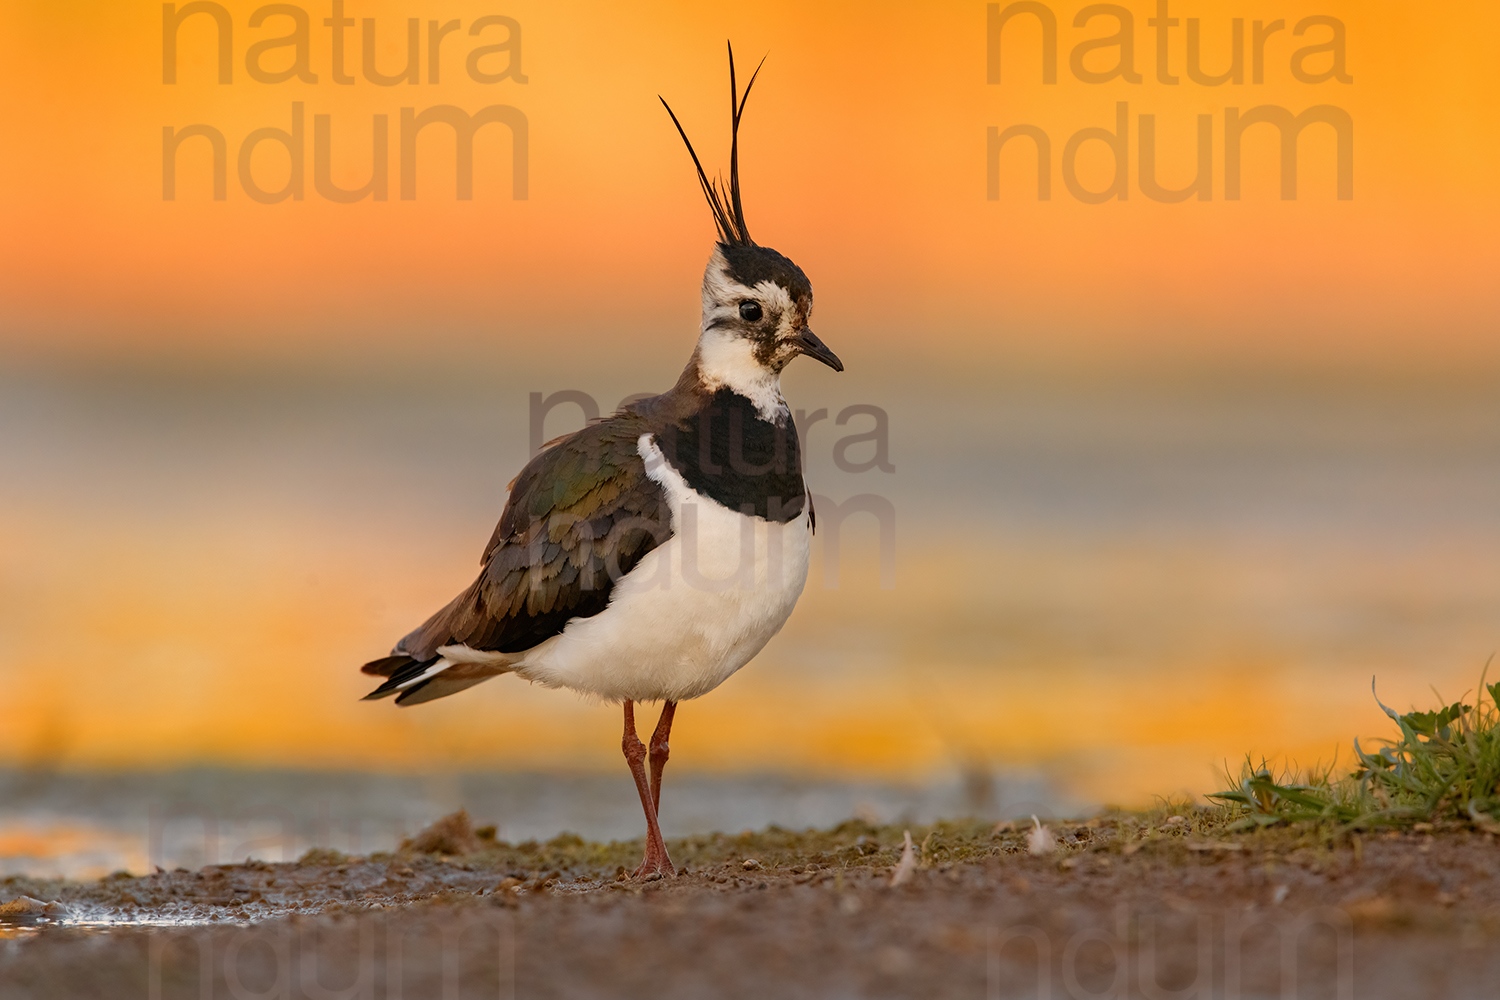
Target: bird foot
(655, 866)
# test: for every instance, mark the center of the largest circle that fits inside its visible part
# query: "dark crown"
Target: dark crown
(750, 264)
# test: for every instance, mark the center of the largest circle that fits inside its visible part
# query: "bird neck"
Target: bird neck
(724, 361)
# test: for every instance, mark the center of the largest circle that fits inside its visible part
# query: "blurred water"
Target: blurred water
(1388, 461)
(90, 824)
(1110, 583)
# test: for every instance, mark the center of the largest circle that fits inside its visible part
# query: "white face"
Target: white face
(764, 317)
(751, 332)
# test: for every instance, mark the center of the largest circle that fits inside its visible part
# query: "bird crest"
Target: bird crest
(724, 199)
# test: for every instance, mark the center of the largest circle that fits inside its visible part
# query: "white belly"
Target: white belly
(690, 613)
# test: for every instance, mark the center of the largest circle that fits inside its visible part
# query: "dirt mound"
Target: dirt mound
(452, 835)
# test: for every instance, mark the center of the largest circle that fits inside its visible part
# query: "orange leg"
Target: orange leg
(656, 860)
(660, 751)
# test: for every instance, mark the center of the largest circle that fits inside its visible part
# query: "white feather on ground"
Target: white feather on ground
(906, 865)
(1040, 839)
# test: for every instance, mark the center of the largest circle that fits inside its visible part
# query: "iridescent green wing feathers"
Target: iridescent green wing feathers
(580, 516)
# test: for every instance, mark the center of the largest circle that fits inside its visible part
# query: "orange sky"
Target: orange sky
(864, 159)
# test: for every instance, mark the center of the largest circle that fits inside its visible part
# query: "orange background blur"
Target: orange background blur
(227, 626)
(864, 157)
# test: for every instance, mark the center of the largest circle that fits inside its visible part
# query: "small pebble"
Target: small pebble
(23, 906)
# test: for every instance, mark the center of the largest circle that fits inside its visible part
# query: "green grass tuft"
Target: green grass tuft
(1444, 766)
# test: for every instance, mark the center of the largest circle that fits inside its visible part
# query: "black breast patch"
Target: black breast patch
(729, 453)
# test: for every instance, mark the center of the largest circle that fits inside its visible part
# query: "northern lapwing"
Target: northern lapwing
(652, 554)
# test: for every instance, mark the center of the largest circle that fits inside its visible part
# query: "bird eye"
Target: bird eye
(750, 311)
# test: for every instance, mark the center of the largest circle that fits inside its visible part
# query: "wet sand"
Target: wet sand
(1122, 905)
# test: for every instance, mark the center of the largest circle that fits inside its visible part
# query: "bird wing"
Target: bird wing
(580, 515)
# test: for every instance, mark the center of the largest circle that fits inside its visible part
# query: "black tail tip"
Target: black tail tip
(386, 665)
(399, 672)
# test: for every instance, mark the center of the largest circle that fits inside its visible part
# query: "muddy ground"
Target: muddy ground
(1153, 907)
